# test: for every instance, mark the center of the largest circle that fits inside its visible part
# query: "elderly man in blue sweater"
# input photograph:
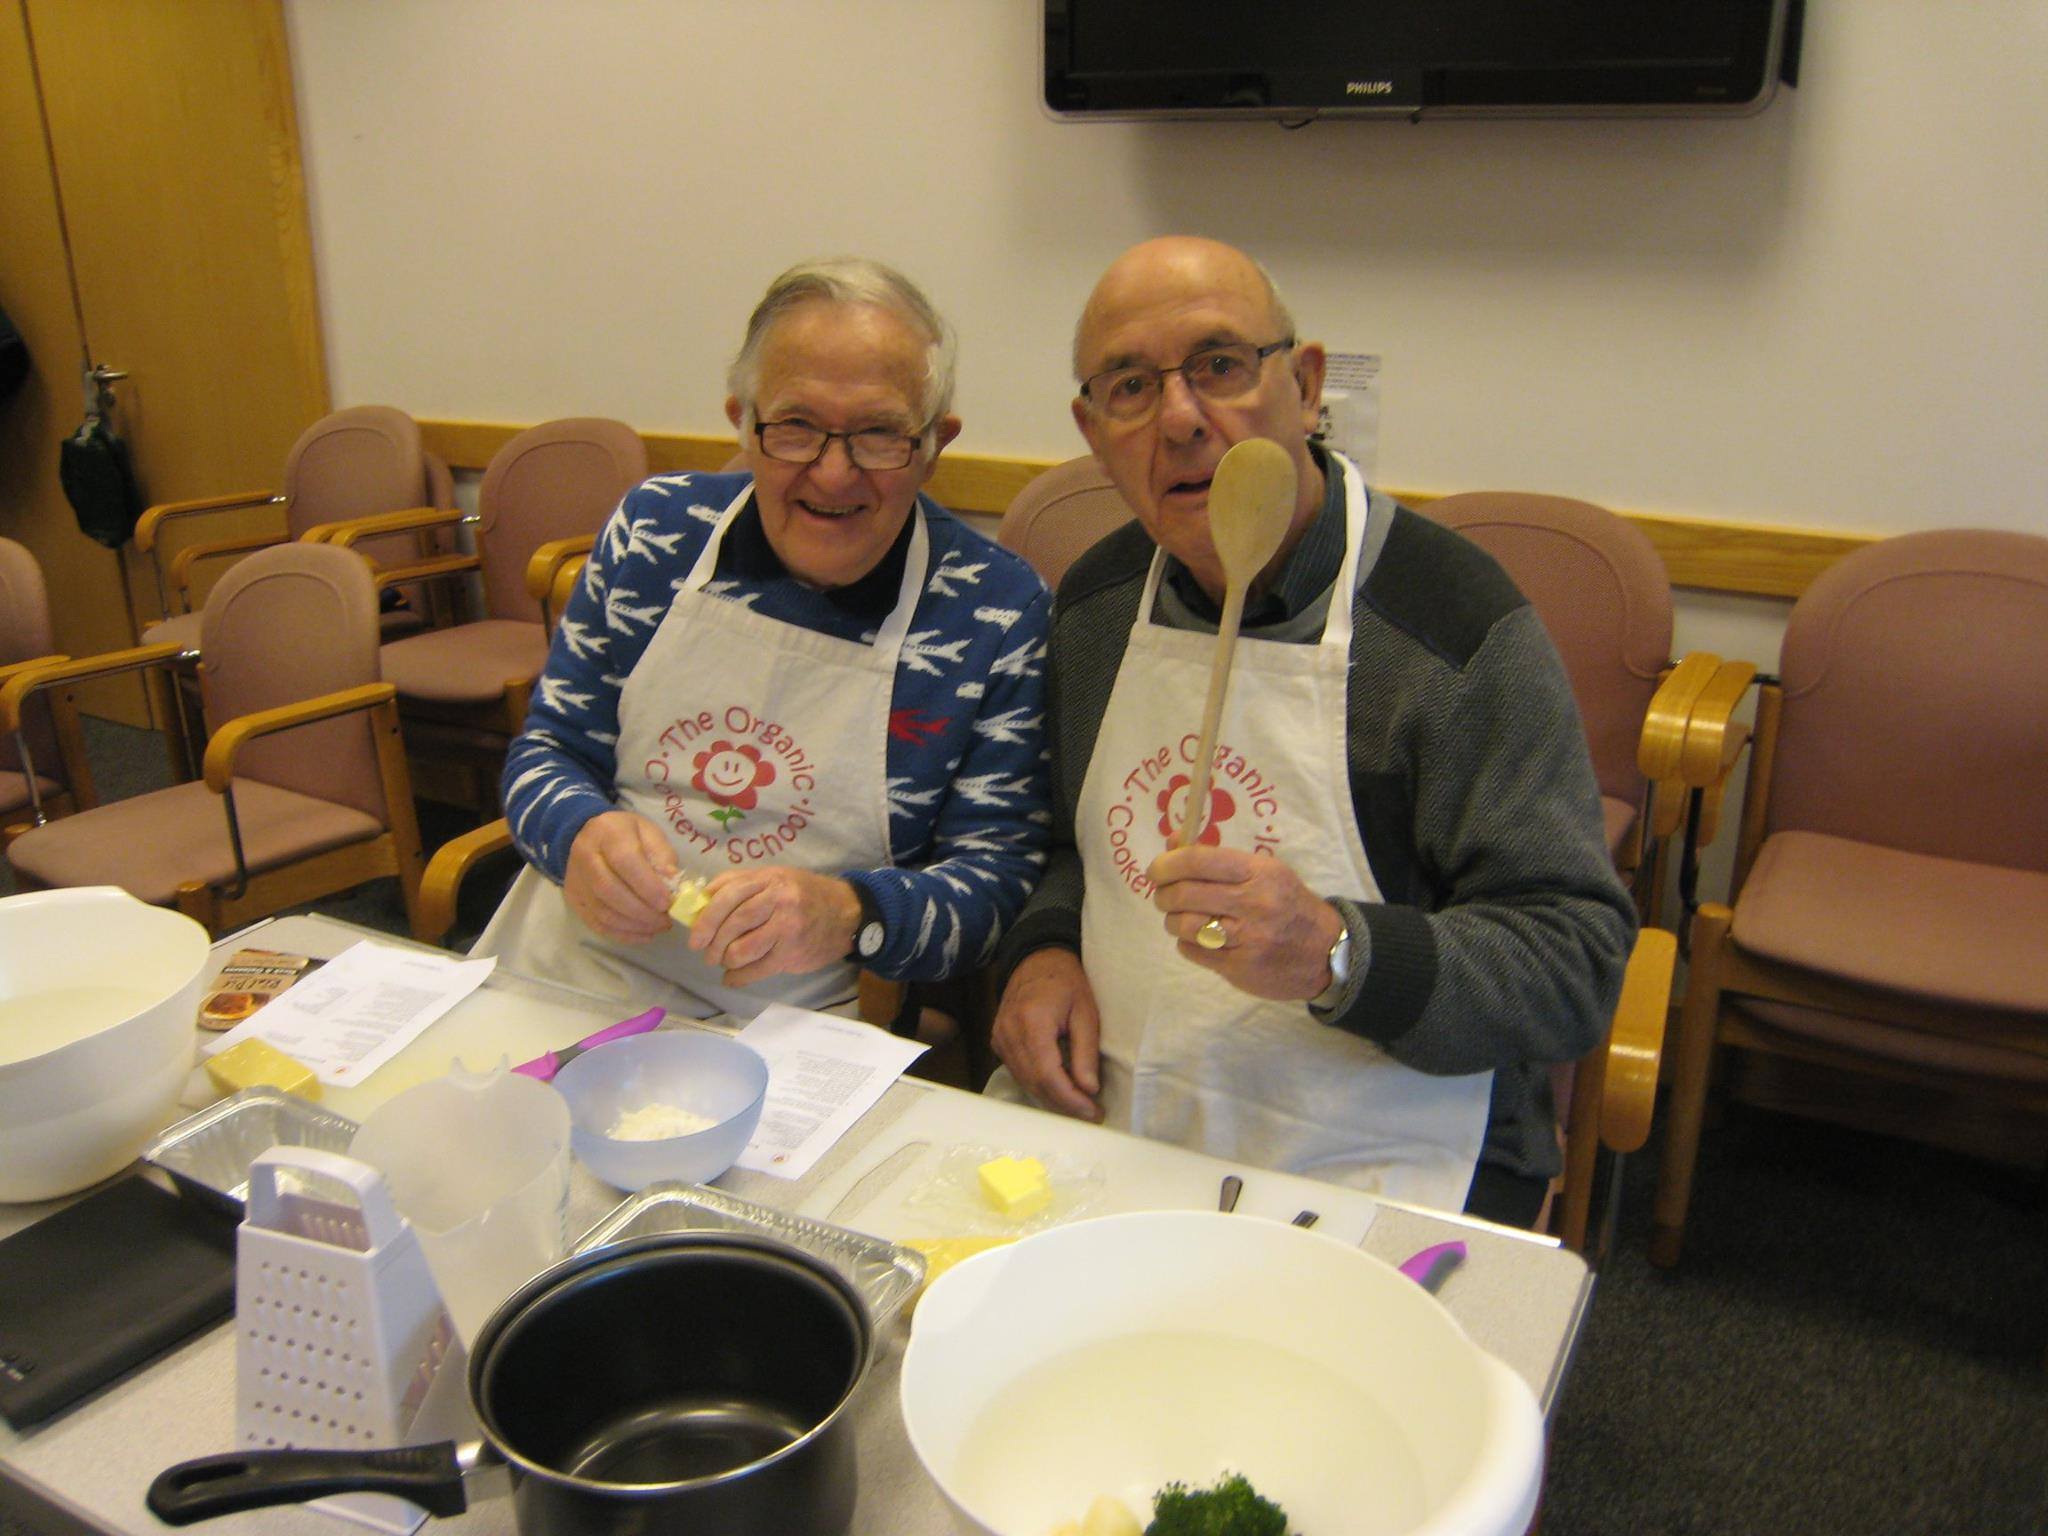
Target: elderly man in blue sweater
(807, 686)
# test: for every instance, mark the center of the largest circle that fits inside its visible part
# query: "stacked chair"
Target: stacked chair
(349, 464)
(1888, 909)
(304, 790)
(462, 688)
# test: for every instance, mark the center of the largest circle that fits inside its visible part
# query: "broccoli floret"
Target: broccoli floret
(1231, 1508)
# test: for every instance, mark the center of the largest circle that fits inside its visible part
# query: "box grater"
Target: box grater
(341, 1338)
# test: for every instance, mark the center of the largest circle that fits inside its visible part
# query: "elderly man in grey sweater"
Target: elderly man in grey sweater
(1400, 909)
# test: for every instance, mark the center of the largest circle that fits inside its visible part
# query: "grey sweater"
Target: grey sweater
(1502, 931)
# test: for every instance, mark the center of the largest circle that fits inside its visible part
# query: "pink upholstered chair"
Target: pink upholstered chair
(52, 778)
(1604, 597)
(305, 791)
(350, 464)
(1059, 514)
(462, 688)
(1888, 911)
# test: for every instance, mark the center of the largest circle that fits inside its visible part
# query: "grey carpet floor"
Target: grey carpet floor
(1856, 1340)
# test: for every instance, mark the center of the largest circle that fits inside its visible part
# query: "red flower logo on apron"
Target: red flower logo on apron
(730, 774)
(1221, 809)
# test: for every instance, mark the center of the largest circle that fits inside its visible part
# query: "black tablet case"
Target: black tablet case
(95, 1290)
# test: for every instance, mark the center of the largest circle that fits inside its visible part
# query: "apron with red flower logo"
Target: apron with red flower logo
(1186, 1057)
(749, 741)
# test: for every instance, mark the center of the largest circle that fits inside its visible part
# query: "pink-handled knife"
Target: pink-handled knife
(545, 1067)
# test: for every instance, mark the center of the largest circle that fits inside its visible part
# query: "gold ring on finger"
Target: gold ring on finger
(1211, 935)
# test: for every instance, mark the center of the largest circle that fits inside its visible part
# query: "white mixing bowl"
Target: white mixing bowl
(1116, 1355)
(98, 993)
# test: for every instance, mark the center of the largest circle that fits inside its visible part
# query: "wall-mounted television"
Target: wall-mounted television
(1297, 60)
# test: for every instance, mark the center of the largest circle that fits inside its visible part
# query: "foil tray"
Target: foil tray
(884, 1273)
(208, 1154)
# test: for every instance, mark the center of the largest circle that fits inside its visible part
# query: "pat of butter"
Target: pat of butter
(1016, 1186)
(942, 1253)
(688, 901)
(257, 1063)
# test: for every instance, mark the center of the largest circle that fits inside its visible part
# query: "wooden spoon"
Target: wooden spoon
(1251, 505)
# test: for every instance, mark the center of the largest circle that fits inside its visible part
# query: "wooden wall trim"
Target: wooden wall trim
(1753, 559)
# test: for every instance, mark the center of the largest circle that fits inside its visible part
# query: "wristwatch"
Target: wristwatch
(870, 933)
(1340, 967)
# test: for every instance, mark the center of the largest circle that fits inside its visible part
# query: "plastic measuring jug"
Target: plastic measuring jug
(478, 1163)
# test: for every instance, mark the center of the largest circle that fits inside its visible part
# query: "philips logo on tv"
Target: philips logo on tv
(1368, 87)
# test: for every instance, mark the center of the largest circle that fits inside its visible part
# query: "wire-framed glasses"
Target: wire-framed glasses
(796, 441)
(1214, 373)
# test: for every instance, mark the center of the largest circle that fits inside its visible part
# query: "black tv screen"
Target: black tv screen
(1301, 59)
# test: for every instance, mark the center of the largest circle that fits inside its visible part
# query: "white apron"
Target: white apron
(1186, 1057)
(749, 741)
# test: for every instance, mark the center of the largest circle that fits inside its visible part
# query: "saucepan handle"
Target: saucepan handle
(427, 1475)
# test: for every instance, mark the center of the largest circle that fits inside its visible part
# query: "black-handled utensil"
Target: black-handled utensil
(1233, 1186)
(1306, 1218)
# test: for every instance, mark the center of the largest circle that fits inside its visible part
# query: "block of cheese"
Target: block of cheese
(688, 900)
(1016, 1186)
(258, 1063)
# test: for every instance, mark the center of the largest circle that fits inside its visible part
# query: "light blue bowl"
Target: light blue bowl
(705, 1074)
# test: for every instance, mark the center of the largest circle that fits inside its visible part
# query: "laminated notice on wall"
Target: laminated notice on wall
(1351, 409)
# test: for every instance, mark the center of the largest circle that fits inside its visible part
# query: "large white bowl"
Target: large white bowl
(1115, 1355)
(98, 994)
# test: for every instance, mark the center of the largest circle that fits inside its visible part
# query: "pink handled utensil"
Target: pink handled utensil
(545, 1067)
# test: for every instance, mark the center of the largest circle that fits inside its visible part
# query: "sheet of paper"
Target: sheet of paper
(356, 1012)
(824, 1073)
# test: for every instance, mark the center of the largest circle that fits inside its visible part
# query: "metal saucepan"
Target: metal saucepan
(694, 1381)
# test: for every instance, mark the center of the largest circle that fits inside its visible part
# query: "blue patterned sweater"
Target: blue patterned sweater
(967, 770)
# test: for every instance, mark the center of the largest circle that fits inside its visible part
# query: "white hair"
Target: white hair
(848, 280)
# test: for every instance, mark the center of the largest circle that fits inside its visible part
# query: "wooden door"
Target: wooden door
(172, 157)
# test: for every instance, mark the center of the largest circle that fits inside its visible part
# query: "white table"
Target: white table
(1517, 1296)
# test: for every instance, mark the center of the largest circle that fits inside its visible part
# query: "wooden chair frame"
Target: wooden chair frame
(254, 894)
(78, 792)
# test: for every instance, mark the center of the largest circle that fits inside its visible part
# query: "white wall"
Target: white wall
(1831, 315)
(1835, 313)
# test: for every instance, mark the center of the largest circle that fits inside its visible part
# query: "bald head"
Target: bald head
(1189, 265)
(1159, 306)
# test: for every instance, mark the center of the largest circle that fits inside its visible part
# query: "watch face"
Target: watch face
(870, 942)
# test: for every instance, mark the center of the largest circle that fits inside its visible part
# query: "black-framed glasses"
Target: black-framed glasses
(1214, 373)
(798, 442)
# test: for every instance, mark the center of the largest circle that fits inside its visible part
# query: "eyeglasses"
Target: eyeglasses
(798, 442)
(1214, 373)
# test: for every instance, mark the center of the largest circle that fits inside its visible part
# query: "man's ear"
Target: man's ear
(1310, 363)
(946, 428)
(733, 413)
(1085, 420)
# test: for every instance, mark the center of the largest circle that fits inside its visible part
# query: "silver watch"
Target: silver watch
(1340, 968)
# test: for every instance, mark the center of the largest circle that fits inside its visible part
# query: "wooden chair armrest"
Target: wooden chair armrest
(349, 531)
(192, 554)
(446, 870)
(547, 561)
(155, 517)
(1660, 748)
(557, 601)
(1713, 737)
(1635, 1045)
(430, 569)
(25, 678)
(227, 741)
(14, 668)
